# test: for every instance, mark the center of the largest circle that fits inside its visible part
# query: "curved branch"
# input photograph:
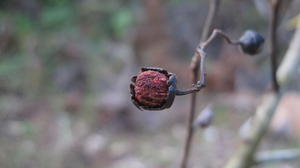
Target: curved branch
(214, 7)
(200, 52)
(243, 157)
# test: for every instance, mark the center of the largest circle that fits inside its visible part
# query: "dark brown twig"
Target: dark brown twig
(273, 42)
(244, 156)
(200, 52)
(214, 7)
(212, 12)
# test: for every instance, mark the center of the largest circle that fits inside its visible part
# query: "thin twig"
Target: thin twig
(190, 128)
(212, 12)
(273, 42)
(214, 7)
(200, 52)
(244, 156)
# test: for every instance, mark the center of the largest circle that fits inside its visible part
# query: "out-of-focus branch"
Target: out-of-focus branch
(291, 61)
(214, 8)
(275, 4)
(277, 156)
(244, 156)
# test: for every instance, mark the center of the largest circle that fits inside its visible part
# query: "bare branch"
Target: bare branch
(291, 61)
(214, 7)
(200, 52)
(273, 42)
(243, 158)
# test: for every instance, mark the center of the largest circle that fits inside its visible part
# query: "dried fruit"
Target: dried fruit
(153, 89)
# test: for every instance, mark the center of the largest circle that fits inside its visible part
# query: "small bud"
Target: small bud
(251, 42)
(244, 130)
(205, 118)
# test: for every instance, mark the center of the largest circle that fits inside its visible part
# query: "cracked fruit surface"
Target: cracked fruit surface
(151, 88)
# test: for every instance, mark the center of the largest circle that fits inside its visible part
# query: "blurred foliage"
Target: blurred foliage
(43, 32)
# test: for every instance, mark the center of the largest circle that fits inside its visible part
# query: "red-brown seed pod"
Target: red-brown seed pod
(151, 89)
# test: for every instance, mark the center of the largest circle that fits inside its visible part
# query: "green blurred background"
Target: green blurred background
(65, 68)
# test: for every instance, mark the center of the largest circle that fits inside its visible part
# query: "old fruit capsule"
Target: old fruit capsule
(251, 42)
(153, 89)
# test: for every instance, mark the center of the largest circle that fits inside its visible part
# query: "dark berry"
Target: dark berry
(251, 42)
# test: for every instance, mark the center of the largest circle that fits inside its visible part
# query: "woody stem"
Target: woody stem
(200, 53)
